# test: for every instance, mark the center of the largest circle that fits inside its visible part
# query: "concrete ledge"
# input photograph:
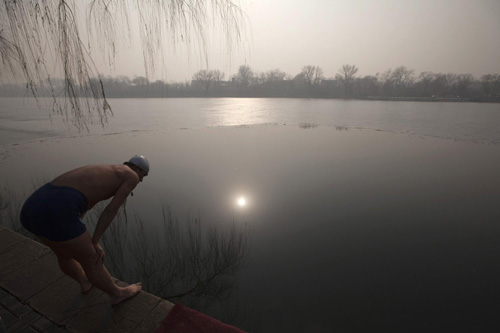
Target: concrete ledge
(28, 280)
(8, 239)
(36, 296)
(20, 254)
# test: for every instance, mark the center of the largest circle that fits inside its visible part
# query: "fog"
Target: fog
(457, 36)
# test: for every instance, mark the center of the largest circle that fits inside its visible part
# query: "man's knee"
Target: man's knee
(81, 249)
(88, 262)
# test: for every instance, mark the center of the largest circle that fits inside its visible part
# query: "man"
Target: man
(54, 211)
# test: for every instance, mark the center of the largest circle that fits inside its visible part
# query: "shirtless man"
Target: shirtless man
(54, 211)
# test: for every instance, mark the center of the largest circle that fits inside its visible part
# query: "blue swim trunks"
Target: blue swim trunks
(54, 212)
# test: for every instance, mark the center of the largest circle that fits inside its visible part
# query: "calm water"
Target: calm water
(21, 120)
(363, 216)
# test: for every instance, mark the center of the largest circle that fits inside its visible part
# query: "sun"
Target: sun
(242, 202)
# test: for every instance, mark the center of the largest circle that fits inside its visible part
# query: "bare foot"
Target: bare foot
(126, 292)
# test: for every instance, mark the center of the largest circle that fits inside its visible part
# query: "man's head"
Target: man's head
(139, 164)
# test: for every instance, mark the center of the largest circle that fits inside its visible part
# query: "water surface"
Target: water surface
(362, 216)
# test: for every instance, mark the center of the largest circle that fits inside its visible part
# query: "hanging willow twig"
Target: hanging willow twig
(42, 37)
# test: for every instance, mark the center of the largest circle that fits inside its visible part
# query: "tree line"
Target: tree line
(400, 83)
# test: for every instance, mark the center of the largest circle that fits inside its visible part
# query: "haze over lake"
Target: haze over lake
(362, 215)
(354, 145)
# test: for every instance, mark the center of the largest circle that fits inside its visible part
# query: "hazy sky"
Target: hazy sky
(458, 36)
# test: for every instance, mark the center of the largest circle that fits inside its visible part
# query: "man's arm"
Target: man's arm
(112, 208)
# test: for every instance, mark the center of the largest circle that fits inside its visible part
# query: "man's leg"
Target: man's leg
(70, 266)
(82, 250)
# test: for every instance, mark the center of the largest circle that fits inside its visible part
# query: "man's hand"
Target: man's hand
(100, 255)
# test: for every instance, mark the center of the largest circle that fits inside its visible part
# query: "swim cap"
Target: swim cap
(140, 161)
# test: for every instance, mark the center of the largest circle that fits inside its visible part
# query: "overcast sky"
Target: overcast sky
(457, 36)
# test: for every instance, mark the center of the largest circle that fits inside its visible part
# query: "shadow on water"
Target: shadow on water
(186, 262)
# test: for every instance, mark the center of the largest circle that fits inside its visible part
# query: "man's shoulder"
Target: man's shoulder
(119, 167)
(125, 172)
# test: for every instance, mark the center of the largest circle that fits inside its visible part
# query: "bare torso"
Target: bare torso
(96, 182)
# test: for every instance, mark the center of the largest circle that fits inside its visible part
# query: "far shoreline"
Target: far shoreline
(368, 98)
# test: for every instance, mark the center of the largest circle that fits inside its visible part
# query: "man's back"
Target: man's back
(97, 182)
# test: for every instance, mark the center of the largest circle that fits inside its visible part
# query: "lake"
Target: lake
(361, 215)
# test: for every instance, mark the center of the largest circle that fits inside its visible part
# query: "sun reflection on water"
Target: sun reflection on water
(241, 201)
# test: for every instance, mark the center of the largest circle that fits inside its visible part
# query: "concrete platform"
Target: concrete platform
(35, 296)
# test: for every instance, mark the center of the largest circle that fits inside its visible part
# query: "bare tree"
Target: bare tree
(140, 81)
(276, 75)
(186, 260)
(368, 86)
(245, 76)
(312, 75)
(440, 85)
(217, 76)
(207, 78)
(401, 79)
(490, 85)
(202, 75)
(202, 78)
(39, 37)
(347, 75)
(463, 82)
(425, 82)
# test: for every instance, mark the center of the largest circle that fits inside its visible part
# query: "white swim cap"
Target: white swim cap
(140, 161)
